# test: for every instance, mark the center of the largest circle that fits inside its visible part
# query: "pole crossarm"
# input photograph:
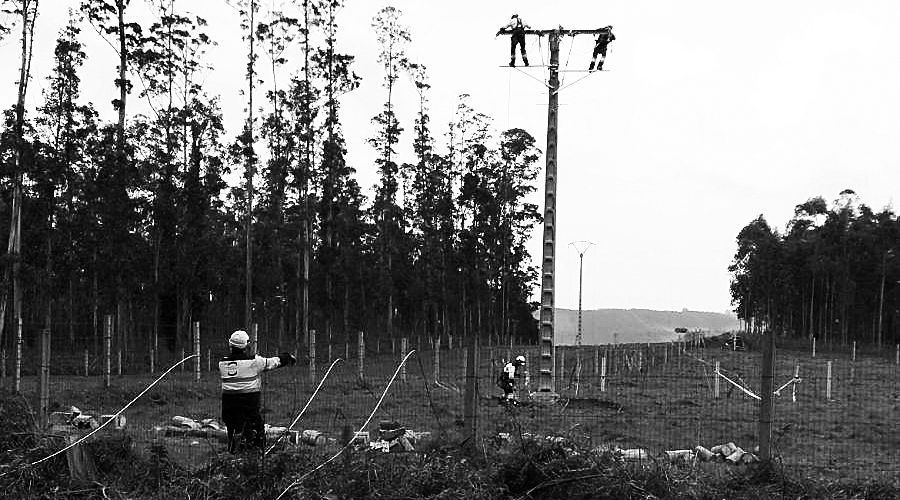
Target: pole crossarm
(559, 31)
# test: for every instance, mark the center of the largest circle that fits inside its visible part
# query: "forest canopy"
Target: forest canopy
(141, 217)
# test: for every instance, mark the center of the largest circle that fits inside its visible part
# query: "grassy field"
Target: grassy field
(656, 398)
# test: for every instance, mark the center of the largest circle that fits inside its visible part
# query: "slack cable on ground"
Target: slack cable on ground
(104, 424)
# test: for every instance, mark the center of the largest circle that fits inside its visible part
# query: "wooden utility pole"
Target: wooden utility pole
(546, 387)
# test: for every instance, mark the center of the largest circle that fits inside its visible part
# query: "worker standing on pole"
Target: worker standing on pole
(603, 39)
(241, 386)
(516, 28)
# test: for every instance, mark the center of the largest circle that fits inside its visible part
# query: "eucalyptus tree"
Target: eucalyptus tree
(392, 37)
(339, 200)
(26, 12)
(275, 35)
(66, 127)
(245, 146)
(166, 61)
(116, 173)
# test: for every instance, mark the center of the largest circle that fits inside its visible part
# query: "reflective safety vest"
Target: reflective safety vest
(242, 375)
(509, 371)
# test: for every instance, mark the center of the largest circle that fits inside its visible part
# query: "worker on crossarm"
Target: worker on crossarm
(516, 28)
(508, 377)
(603, 39)
(241, 386)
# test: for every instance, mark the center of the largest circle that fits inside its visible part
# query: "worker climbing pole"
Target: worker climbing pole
(546, 383)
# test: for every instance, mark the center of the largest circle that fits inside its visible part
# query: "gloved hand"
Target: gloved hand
(287, 359)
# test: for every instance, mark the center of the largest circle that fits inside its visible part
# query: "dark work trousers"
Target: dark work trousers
(507, 384)
(517, 39)
(240, 412)
(599, 49)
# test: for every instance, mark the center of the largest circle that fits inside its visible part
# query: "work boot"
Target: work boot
(525, 60)
(512, 63)
(591, 67)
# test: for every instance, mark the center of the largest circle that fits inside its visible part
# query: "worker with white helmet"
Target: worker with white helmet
(508, 377)
(241, 384)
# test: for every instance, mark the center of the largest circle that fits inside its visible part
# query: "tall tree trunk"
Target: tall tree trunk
(250, 167)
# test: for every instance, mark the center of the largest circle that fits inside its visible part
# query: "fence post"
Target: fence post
(119, 361)
(853, 352)
(361, 351)
(197, 351)
(330, 344)
(312, 355)
(794, 385)
(45, 377)
(562, 368)
(86, 362)
(208, 359)
(716, 384)
(603, 374)
(107, 354)
(766, 406)
(828, 381)
(437, 359)
(19, 342)
(404, 348)
(813, 347)
(470, 408)
(152, 360)
(596, 360)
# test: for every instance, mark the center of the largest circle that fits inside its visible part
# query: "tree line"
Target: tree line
(161, 219)
(832, 275)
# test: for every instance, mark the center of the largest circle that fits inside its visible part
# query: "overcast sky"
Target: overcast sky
(711, 113)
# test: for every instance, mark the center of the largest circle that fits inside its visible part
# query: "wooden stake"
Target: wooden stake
(853, 352)
(197, 360)
(766, 404)
(404, 348)
(208, 359)
(86, 364)
(813, 347)
(437, 359)
(361, 352)
(794, 385)
(312, 356)
(828, 381)
(716, 384)
(119, 362)
(107, 354)
(152, 360)
(603, 374)
(45, 378)
(254, 339)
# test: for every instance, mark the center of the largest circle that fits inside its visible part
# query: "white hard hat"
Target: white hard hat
(520, 359)
(239, 339)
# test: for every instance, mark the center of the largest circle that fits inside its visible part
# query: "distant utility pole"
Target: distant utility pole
(581, 247)
(545, 380)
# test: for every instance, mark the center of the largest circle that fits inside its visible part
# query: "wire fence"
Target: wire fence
(835, 414)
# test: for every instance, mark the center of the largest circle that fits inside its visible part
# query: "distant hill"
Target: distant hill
(604, 326)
